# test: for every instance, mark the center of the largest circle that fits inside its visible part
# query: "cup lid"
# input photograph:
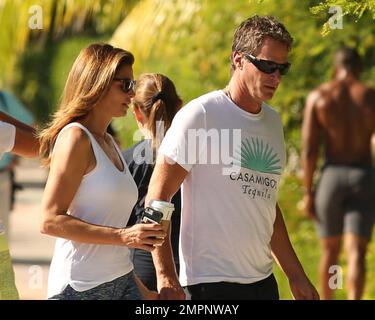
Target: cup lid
(160, 203)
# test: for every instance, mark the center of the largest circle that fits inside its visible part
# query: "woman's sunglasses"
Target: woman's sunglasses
(126, 84)
(268, 66)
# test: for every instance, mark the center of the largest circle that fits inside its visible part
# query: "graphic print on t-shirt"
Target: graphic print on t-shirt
(258, 156)
(260, 169)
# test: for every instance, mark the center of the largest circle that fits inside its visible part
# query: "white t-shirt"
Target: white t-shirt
(7, 137)
(229, 195)
(105, 197)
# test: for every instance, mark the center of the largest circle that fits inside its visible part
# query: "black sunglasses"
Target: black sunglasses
(126, 84)
(268, 66)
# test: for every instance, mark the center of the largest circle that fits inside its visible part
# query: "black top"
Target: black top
(139, 160)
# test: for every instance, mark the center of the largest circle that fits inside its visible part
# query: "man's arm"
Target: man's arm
(165, 182)
(284, 254)
(26, 144)
(310, 148)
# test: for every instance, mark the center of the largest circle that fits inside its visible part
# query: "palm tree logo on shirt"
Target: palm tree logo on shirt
(258, 156)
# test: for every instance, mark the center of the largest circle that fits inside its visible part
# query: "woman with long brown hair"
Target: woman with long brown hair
(90, 192)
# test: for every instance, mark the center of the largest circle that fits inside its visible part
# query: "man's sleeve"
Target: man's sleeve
(182, 143)
(7, 137)
(17, 110)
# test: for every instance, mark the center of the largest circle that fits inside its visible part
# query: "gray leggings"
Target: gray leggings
(345, 201)
(122, 288)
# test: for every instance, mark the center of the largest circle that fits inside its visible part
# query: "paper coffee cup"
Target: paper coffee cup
(166, 208)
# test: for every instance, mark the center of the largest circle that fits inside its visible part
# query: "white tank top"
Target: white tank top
(106, 197)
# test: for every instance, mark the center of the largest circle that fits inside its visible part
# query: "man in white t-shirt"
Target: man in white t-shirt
(227, 149)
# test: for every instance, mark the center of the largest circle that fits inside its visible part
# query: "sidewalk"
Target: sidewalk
(31, 251)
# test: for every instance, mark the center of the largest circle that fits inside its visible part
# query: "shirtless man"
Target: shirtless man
(341, 115)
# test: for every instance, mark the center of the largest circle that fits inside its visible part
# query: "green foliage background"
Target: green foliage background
(188, 40)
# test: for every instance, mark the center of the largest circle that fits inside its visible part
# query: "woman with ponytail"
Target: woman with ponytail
(154, 105)
(90, 192)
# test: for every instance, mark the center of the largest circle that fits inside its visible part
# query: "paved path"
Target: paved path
(31, 251)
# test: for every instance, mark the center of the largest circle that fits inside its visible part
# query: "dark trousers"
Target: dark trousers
(145, 269)
(265, 289)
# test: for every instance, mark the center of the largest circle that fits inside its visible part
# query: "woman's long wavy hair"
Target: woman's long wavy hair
(88, 81)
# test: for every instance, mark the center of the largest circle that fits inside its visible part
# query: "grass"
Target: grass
(304, 239)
